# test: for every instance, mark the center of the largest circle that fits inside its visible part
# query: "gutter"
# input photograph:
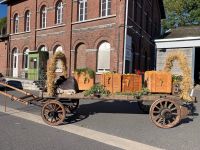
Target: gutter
(125, 36)
(177, 39)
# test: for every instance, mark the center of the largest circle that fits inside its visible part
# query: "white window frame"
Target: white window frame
(27, 21)
(43, 17)
(106, 8)
(83, 16)
(107, 50)
(16, 23)
(59, 12)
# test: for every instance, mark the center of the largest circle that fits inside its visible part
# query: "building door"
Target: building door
(15, 63)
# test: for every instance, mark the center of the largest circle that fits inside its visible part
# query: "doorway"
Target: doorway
(197, 66)
(15, 62)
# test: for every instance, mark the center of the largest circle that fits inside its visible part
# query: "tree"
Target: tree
(181, 13)
(2, 23)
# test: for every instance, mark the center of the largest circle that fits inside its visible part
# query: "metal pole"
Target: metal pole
(125, 36)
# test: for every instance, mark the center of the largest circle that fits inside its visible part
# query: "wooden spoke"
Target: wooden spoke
(53, 113)
(71, 105)
(165, 105)
(165, 113)
(170, 105)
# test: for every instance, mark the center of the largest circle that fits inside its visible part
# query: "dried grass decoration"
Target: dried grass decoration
(51, 68)
(186, 82)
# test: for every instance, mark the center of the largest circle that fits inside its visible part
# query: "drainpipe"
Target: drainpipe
(9, 46)
(35, 42)
(70, 52)
(125, 36)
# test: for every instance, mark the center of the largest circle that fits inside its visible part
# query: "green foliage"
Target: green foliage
(97, 89)
(2, 22)
(144, 91)
(181, 13)
(177, 78)
(89, 71)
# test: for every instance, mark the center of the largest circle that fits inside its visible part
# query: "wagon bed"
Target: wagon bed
(166, 111)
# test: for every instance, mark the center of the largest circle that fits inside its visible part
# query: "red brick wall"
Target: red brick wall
(3, 57)
(91, 32)
(50, 37)
(96, 30)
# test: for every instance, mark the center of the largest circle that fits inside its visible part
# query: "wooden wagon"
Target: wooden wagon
(165, 111)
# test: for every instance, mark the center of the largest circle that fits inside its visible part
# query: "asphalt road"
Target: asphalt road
(122, 119)
(20, 134)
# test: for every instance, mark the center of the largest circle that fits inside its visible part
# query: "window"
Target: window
(16, 23)
(104, 57)
(82, 10)
(105, 7)
(59, 12)
(27, 21)
(59, 66)
(43, 48)
(25, 59)
(43, 17)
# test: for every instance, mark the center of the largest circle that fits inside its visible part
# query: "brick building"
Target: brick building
(105, 35)
(3, 50)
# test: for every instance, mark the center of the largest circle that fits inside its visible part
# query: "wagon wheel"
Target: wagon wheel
(144, 108)
(165, 113)
(72, 106)
(53, 113)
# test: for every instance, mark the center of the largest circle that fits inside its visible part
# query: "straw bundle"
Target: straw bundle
(186, 82)
(51, 68)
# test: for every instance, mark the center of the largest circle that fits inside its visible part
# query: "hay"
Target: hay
(51, 74)
(186, 82)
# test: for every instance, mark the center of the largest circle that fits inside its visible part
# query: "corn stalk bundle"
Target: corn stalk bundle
(183, 64)
(51, 68)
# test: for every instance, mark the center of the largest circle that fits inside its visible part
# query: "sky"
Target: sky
(3, 11)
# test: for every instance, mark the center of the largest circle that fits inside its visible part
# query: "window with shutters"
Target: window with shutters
(104, 57)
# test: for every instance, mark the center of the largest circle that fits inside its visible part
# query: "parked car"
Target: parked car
(14, 83)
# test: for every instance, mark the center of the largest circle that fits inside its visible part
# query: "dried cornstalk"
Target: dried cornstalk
(51, 68)
(182, 60)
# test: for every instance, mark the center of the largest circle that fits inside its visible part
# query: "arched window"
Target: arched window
(43, 17)
(43, 48)
(80, 56)
(59, 67)
(25, 58)
(59, 12)
(27, 21)
(103, 57)
(16, 24)
(58, 48)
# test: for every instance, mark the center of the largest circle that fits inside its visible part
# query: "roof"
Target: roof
(182, 32)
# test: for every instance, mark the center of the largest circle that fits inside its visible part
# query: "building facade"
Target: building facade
(104, 35)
